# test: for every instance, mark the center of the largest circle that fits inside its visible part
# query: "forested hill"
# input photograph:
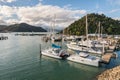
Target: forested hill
(108, 25)
(22, 27)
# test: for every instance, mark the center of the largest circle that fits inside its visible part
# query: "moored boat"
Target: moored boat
(85, 58)
(55, 52)
(84, 48)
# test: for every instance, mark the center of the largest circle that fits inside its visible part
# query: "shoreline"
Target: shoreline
(110, 74)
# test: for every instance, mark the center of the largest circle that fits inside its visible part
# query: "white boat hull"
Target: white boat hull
(79, 48)
(50, 54)
(78, 59)
(58, 53)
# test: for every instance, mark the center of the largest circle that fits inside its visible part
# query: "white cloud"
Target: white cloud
(12, 21)
(41, 15)
(7, 11)
(40, 0)
(9, 1)
(100, 12)
(114, 2)
(114, 10)
(1, 21)
(1, 17)
(117, 18)
(44, 14)
(97, 6)
(67, 6)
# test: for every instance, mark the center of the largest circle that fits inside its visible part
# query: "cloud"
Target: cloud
(40, 0)
(44, 14)
(9, 1)
(117, 18)
(40, 15)
(12, 21)
(67, 6)
(1, 21)
(100, 12)
(97, 6)
(7, 11)
(114, 2)
(114, 10)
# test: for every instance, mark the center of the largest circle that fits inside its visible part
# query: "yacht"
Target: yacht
(83, 48)
(85, 58)
(55, 52)
(85, 45)
(93, 43)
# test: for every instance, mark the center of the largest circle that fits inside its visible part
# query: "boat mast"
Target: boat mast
(86, 28)
(87, 31)
(54, 24)
(99, 30)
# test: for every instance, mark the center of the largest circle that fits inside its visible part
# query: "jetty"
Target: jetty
(107, 57)
(109, 53)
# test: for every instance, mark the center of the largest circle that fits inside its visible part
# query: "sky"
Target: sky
(58, 13)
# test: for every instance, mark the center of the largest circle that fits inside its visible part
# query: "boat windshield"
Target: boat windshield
(56, 50)
(91, 57)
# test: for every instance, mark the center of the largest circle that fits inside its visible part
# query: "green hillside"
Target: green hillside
(22, 27)
(109, 25)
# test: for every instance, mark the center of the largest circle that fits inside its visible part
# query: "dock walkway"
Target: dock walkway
(109, 53)
(106, 57)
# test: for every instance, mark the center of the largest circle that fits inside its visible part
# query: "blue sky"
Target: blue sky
(42, 12)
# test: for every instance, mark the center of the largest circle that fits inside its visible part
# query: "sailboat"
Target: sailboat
(55, 38)
(95, 43)
(84, 57)
(56, 52)
(84, 45)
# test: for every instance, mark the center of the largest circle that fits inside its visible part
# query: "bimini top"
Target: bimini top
(55, 46)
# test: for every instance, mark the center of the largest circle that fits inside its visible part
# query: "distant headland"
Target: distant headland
(22, 27)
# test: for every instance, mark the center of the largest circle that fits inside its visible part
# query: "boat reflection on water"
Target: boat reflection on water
(83, 67)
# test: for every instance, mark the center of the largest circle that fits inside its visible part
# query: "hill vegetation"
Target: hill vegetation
(109, 25)
(22, 27)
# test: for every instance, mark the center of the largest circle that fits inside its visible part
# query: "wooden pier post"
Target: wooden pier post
(40, 51)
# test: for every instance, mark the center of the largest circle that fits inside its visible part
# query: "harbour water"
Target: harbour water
(20, 60)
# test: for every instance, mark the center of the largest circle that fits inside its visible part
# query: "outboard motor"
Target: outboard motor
(64, 55)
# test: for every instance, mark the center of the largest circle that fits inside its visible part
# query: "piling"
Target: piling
(40, 51)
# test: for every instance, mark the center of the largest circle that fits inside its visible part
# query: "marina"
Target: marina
(59, 40)
(20, 59)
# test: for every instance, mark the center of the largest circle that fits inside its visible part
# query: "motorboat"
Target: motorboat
(84, 48)
(85, 58)
(55, 52)
(93, 43)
